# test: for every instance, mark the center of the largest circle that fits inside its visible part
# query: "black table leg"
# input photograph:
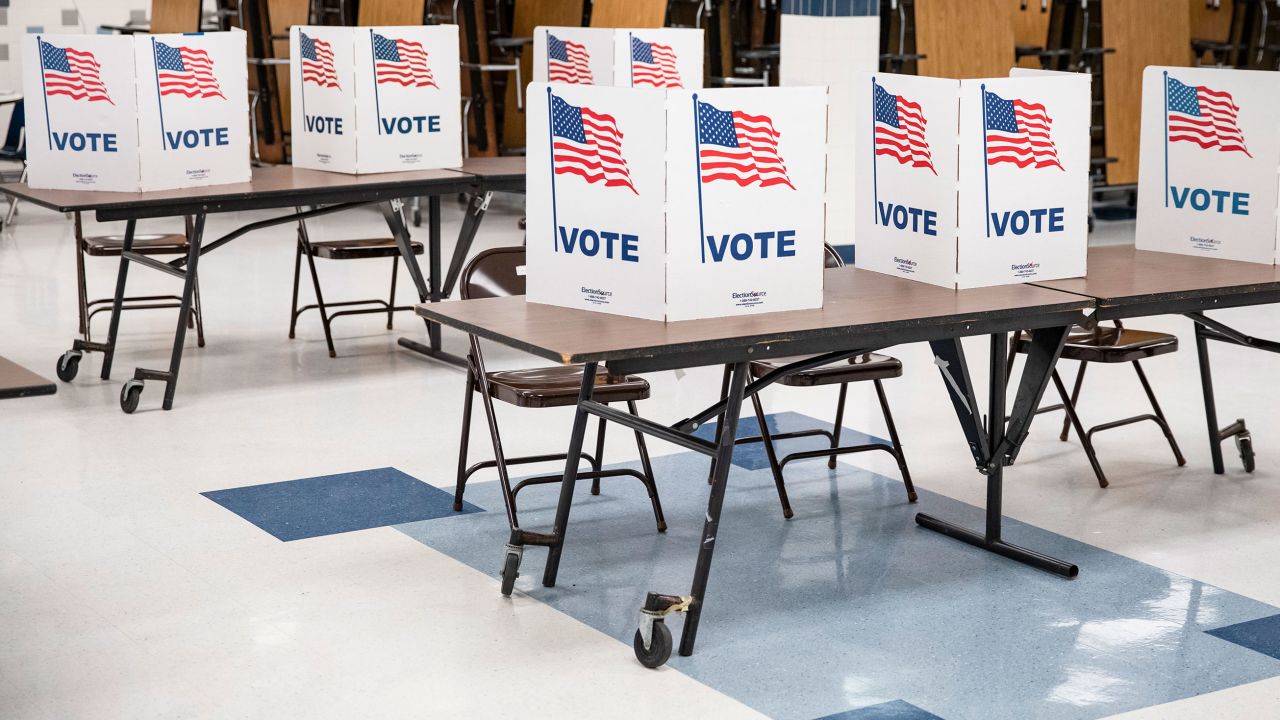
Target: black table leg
(69, 361)
(1209, 329)
(1210, 406)
(131, 391)
(427, 291)
(999, 444)
(476, 210)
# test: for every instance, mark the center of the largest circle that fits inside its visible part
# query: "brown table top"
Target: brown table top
(17, 381)
(275, 186)
(863, 309)
(1129, 282)
(495, 167)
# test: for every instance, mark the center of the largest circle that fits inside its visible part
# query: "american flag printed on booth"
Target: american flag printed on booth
(1203, 116)
(317, 61)
(739, 147)
(72, 72)
(899, 130)
(401, 62)
(1018, 132)
(568, 62)
(186, 71)
(653, 64)
(587, 144)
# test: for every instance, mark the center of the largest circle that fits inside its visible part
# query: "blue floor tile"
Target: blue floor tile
(894, 710)
(850, 605)
(751, 456)
(1261, 635)
(332, 504)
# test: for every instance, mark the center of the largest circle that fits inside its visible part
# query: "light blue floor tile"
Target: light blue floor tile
(751, 456)
(850, 604)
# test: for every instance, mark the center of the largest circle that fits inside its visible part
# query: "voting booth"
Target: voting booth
(970, 183)
(142, 112)
(658, 57)
(573, 55)
(370, 100)
(676, 204)
(1208, 163)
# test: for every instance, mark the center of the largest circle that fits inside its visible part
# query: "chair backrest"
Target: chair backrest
(391, 12)
(831, 258)
(494, 273)
(175, 16)
(14, 147)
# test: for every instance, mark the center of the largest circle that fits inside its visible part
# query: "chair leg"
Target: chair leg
(898, 454)
(315, 282)
(391, 299)
(772, 455)
(724, 392)
(461, 485)
(1074, 419)
(297, 275)
(601, 426)
(1075, 398)
(835, 430)
(1164, 424)
(650, 483)
(197, 311)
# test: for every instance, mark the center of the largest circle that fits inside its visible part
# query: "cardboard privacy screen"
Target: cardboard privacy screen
(1210, 152)
(369, 100)
(143, 112)
(675, 204)
(1016, 169)
(663, 58)
(573, 55)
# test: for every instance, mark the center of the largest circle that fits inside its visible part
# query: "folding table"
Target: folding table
(863, 311)
(1126, 282)
(276, 187)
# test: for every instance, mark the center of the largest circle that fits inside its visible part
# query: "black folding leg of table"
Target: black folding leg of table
(997, 445)
(1209, 329)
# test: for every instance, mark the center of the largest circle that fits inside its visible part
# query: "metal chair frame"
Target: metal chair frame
(478, 383)
(1070, 401)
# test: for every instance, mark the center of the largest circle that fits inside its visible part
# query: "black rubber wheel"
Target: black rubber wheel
(68, 366)
(659, 650)
(510, 571)
(1244, 444)
(129, 396)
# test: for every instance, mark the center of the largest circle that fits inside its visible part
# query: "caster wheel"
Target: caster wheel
(69, 365)
(659, 650)
(510, 571)
(129, 396)
(1244, 444)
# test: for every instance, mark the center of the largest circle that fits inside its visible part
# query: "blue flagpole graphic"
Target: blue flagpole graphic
(875, 182)
(631, 53)
(1166, 138)
(547, 59)
(47, 128)
(377, 105)
(302, 82)
(697, 157)
(551, 143)
(155, 59)
(986, 178)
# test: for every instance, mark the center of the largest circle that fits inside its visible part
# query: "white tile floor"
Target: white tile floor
(125, 594)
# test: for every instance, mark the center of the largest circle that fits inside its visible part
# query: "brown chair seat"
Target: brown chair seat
(872, 366)
(1113, 345)
(143, 244)
(359, 249)
(558, 386)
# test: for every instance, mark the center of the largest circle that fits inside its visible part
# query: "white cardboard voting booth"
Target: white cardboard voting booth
(1207, 173)
(998, 201)
(129, 113)
(675, 204)
(82, 112)
(666, 57)
(369, 100)
(198, 86)
(573, 55)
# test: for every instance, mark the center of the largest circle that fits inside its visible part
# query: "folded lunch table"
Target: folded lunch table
(863, 311)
